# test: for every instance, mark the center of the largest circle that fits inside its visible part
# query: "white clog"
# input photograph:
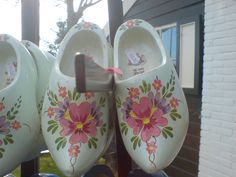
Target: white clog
(44, 63)
(19, 124)
(75, 125)
(152, 110)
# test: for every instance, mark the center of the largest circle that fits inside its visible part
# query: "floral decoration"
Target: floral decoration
(10, 76)
(86, 25)
(130, 24)
(147, 111)
(8, 124)
(78, 122)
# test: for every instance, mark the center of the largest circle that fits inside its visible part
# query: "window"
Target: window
(182, 41)
(187, 55)
(168, 35)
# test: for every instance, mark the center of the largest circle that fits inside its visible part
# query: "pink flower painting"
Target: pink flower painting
(9, 124)
(147, 111)
(79, 124)
(146, 119)
(78, 121)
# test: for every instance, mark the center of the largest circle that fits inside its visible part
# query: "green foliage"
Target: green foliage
(168, 89)
(102, 101)
(11, 114)
(118, 102)
(61, 142)
(8, 139)
(103, 129)
(124, 128)
(53, 126)
(1, 152)
(52, 98)
(167, 132)
(136, 141)
(175, 115)
(73, 95)
(46, 165)
(145, 87)
(92, 143)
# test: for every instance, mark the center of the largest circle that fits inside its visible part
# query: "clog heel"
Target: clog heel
(19, 124)
(152, 110)
(75, 125)
(44, 63)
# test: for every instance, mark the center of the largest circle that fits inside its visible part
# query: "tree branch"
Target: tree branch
(74, 16)
(84, 4)
(70, 6)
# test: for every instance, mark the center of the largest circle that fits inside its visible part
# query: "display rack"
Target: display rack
(30, 31)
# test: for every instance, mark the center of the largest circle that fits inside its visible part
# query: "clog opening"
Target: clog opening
(8, 64)
(138, 52)
(85, 42)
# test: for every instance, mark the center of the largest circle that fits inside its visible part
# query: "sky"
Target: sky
(10, 18)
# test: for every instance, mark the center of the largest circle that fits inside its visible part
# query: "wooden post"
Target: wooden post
(115, 9)
(30, 31)
(30, 20)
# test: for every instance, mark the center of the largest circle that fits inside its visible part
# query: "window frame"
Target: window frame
(196, 90)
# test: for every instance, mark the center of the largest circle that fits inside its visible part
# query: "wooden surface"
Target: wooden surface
(30, 20)
(30, 31)
(115, 10)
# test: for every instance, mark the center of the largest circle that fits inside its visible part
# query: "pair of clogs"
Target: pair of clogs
(152, 110)
(23, 81)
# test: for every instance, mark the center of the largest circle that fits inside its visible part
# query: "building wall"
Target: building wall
(218, 124)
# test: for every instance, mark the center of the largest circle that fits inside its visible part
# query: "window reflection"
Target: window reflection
(169, 39)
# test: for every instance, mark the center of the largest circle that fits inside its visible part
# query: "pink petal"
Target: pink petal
(73, 109)
(159, 119)
(83, 111)
(162, 121)
(78, 137)
(66, 125)
(136, 125)
(91, 128)
(147, 133)
(142, 109)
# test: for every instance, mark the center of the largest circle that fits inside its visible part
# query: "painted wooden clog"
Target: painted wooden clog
(44, 63)
(75, 125)
(152, 110)
(19, 124)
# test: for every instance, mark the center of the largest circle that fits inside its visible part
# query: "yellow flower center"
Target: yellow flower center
(153, 110)
(79, 125)
(146, 120)
(132, 114)
(90, 117)
(67, 115)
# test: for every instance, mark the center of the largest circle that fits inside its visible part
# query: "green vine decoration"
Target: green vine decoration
(136, 141)
(11, 114)
(145, 87)
(168, 89)
(53, 126)
(175, 115)
(60, 142)
(167, 132)
(103, 129)
(102, 101)
(124, 128)
(92, 143)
